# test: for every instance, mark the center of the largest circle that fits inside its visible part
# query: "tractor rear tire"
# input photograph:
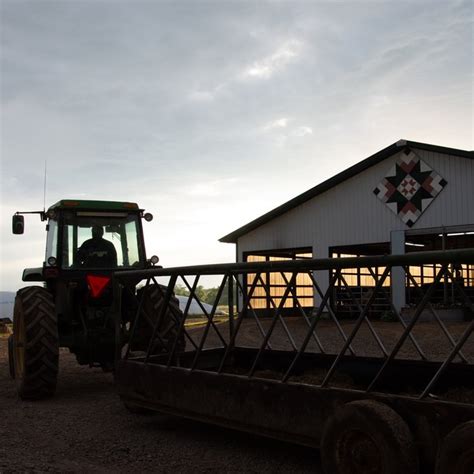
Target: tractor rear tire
(35, 343)
(11, 362)
(368, 437)
(167, 332)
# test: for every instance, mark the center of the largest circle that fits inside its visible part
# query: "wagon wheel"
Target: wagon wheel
(457, 451)
(35, 344)
(368, 437)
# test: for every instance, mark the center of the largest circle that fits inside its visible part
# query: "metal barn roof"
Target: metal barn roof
(339, 178)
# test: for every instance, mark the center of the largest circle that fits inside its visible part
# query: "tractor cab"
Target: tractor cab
(84, 236)
(94, 238)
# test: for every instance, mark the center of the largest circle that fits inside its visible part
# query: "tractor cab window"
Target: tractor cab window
(100, 240)
(51, 241)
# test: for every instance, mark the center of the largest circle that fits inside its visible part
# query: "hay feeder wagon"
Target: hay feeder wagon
(374, 395)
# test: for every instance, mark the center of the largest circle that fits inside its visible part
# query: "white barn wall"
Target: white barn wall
(350, 213)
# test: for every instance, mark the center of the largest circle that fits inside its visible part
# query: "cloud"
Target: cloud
(201, 95)
(205, 95)
(276, 124)
(302, 131)
(202, 188)
(260, 69)
(282, 134)
(267, 66)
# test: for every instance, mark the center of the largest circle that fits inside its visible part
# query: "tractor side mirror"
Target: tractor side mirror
(18, 224)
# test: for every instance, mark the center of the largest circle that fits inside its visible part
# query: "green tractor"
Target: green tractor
(87, 241)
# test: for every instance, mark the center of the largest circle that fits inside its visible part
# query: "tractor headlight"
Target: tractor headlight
(52, 261)
(148, 217)
(154, 260)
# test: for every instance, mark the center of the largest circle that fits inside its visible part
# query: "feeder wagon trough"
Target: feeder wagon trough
(376, 392)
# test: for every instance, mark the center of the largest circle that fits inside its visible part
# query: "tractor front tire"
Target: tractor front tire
(35, 343)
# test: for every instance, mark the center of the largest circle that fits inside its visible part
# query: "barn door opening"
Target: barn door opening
(270, 287)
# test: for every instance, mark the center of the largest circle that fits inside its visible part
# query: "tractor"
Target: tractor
(72, 304)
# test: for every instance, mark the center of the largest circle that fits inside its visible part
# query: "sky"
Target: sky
(209, 114)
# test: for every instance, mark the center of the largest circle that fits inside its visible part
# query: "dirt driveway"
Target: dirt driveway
(86, 429)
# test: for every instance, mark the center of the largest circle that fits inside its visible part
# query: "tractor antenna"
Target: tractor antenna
(44, 185)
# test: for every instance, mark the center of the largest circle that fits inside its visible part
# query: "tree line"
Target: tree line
(206, 295)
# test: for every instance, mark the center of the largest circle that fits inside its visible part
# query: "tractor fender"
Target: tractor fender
(33, 274)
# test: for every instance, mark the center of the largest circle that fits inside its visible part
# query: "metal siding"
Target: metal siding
(350, 213)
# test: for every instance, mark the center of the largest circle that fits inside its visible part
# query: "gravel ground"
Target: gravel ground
(86, 429)
(429, 336)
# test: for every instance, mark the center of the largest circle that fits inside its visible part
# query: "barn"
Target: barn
(407, 197)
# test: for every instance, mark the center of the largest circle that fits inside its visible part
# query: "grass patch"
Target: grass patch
(202, 321)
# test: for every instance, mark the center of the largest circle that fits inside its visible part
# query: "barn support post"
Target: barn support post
(397, 240)
(321, 276)
(239, 296)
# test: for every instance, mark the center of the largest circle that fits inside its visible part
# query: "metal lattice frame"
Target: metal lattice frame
(233, 276)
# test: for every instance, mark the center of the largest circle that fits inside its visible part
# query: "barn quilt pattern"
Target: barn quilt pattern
(409, 187)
